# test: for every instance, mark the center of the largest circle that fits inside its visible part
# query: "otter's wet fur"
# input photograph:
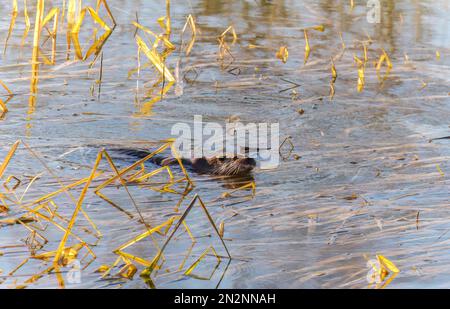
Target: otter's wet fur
(220, 166)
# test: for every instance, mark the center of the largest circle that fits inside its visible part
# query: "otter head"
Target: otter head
(236, 166)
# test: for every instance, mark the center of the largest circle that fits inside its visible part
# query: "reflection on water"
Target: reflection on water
(365, 181)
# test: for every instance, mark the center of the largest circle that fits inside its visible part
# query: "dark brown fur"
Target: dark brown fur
(222, 166)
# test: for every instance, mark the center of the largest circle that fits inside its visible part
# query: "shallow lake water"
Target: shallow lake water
(363, 178)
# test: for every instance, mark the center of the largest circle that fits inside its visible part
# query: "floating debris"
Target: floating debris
(333, 79)
(366, 57)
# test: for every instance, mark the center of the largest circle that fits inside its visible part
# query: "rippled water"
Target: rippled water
(301, 229)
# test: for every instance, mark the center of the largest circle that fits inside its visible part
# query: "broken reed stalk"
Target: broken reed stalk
(27, 22)
(191, 22)
(123, 182)
(70, 23)
(35, 55)
(54, 12)
(181, 220)
(8, 158)
(63, 187)
(14, 13)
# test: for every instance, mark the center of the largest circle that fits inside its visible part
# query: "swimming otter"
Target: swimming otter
(220, 166)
